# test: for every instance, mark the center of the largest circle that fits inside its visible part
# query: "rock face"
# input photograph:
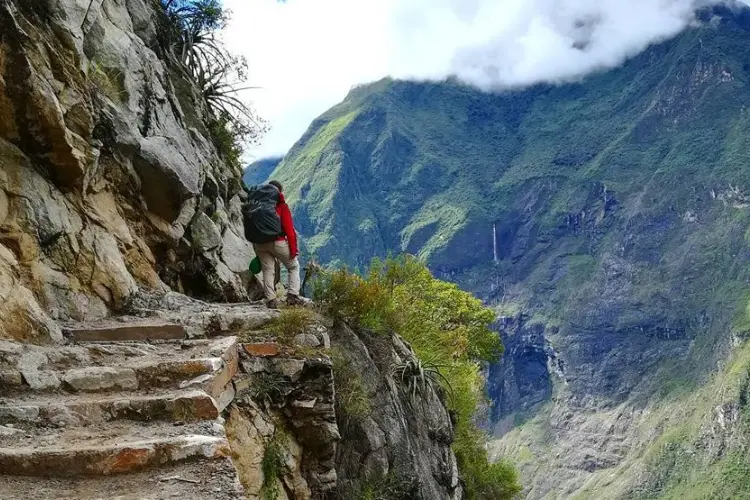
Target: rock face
(108, 179)
(401, 445)
(289, 400)
(132, 404)
(300, 408)
(523, 379)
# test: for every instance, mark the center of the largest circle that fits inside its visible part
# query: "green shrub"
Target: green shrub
(352, 399)
(268, 386)
(291, 322)
(483, 479)
(443, 324)
(347, 297)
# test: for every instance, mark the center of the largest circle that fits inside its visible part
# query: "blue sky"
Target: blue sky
(307, 54)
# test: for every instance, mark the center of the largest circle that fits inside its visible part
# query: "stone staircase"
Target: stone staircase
(116, 414)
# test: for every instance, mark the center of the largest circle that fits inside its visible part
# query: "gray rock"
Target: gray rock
(237, 252)
(291, 368)
(204, 233)
(11, 378)
(307, 407)
(39, 380)
(168, 177)
(307, 340)
(397, 436)
(255, 365)
(8, 431)
(98, 378)
(29, 413)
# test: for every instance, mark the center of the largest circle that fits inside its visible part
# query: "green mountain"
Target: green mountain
(609, 222)
(259, 171)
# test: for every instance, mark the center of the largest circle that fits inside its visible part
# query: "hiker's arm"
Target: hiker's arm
(288, 227)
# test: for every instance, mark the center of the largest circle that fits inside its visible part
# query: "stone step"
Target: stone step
(203, 319)
(212, 480)
(107, 367)
(59, 410)
(111, 448)
(118, 331)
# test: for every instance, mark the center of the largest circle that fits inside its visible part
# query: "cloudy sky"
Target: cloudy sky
(307, 54)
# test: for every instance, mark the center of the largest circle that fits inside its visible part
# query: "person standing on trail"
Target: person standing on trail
(270, 228)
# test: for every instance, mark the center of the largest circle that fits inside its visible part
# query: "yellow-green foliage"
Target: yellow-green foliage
(109, 80)
(352, 400)
(389, 487)
(359, 302)
(291, 322)
(445, 326)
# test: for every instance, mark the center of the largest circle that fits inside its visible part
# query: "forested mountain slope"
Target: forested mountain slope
(607, 219)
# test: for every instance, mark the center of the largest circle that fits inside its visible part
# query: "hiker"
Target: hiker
(269, 227)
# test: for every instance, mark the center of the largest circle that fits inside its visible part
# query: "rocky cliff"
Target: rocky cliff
(606, 219)
(117, 214)
(109, 179)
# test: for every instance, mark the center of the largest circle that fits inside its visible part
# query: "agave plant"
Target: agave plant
(220, 79)
(192, 28)
(417, 376)
(194, 24)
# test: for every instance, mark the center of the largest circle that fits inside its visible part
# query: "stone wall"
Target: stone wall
(108, 179)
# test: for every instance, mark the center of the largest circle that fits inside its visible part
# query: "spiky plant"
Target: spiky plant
(268, 387)
(192, 26)
(416, 376)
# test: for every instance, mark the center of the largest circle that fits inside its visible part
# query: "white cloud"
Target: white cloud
(307, 54)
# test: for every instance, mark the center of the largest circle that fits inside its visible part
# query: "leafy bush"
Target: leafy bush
(443, 324)
(359, 302)
(291, 322)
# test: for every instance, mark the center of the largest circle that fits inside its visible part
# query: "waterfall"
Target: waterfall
(494, 241)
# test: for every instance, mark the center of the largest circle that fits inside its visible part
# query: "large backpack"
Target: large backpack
(262, 223)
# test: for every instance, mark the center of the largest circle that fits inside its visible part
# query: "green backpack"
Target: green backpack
(255, 266)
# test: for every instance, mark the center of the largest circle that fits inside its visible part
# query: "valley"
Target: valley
(606, 220)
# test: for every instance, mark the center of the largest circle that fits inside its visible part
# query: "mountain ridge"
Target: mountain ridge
(618, 209)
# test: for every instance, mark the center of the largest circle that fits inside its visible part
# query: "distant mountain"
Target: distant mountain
(259, 171)
(609, 219)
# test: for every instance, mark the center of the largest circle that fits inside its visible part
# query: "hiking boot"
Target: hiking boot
(295, 300)
(272, 304)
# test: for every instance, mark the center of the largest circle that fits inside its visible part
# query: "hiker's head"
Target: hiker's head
(277, 185)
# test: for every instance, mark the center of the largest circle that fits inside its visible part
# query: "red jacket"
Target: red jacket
(287, 225)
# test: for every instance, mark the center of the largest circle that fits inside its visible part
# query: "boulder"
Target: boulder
(204, 233)
(237, 252)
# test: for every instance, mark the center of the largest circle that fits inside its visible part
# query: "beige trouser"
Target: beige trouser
(267, 253)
